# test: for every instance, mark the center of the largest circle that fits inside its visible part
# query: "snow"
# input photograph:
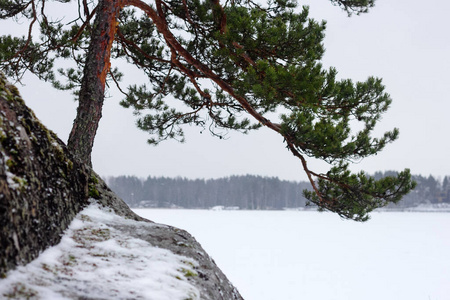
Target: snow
(95, 260)
(267, 255)
(291, 255)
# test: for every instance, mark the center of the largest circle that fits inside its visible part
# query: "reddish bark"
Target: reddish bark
(89, 112)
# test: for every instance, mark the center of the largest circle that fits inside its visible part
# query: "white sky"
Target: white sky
(405, 42)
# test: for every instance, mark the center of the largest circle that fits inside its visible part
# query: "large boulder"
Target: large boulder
(43, 187)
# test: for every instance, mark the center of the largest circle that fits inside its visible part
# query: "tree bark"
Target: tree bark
(92, 91)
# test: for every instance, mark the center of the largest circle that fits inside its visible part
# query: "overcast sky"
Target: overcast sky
(405, 42)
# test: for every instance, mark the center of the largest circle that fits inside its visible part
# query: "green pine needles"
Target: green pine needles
(223, 59)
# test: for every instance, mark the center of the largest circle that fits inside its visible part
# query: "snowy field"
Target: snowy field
(283, 255)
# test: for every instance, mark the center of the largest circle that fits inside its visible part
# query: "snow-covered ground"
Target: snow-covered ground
(283, 255)
(268, 255)
(96, 261)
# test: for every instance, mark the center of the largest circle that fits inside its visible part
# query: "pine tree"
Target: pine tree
(220, 60)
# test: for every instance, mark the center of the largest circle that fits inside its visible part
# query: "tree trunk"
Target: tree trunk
(92, 91)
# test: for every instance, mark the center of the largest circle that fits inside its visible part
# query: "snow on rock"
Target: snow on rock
(95, 260)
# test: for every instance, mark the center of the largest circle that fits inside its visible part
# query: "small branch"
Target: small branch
(80, 31)
(117, 83)
(192, 76)
(86, 8)
(30, 29)
(133, 45)
(305, 168)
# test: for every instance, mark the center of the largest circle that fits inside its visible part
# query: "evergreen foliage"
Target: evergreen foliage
(220, 60)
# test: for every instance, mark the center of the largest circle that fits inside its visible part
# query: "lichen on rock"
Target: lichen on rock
(42, 187)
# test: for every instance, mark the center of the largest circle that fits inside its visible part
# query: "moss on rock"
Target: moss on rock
(40, 193)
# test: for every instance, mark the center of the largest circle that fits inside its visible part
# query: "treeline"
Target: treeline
(244, 192)
(428, 190)
(247, 192)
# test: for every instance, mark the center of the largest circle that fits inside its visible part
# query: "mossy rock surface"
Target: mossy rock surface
(42, 187)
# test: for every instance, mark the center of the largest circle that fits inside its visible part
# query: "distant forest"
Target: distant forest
(248, 192)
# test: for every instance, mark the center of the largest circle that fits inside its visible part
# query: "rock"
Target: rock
(211, 282)
(43, 187)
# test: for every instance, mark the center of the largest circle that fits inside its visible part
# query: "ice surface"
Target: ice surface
(273, 255)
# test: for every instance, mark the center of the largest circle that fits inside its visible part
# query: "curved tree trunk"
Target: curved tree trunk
(92, 92)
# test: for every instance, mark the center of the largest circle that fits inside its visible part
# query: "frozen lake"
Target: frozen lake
(283, 255)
